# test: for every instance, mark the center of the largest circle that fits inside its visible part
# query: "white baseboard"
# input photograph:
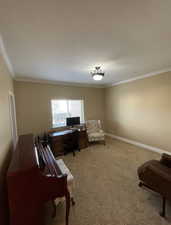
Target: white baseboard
(147, 147)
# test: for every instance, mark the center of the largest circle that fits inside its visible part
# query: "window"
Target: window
(61, 109)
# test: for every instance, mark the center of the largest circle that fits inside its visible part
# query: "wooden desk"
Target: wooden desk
(58, 138)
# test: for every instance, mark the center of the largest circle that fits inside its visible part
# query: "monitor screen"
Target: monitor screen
(71, 121)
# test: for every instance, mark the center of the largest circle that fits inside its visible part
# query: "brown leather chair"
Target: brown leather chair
(156, 175)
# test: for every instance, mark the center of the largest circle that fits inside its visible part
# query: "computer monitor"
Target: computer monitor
(71, 121)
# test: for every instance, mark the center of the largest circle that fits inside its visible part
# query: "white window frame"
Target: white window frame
(82, 110)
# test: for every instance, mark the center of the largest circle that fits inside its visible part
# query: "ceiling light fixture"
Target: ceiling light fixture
(97, 74)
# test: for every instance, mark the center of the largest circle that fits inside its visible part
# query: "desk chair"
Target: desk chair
(71, 143)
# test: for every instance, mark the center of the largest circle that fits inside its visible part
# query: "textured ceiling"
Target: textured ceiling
(64, 40)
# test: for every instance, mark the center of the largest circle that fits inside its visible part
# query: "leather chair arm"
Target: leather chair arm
(161, 174)
(166, 160)
(158, 180)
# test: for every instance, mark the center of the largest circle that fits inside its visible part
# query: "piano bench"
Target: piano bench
(70, 181)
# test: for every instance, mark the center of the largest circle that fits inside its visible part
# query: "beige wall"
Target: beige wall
(34, 109)
(141, 110)
(6, 85)
(138, 110)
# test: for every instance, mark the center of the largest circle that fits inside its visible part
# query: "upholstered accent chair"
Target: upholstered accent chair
(94, 131)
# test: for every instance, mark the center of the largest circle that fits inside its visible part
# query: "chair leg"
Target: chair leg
(163, 207)
(72, 201)
(140, 184)
(54, 209)
(163, 212)
(67, 200)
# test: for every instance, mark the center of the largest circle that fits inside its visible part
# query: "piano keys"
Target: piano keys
(34, 178)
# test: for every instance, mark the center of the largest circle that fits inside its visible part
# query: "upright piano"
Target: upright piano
(34, 178)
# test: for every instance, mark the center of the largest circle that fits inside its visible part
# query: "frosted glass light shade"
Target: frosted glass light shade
(97, 77)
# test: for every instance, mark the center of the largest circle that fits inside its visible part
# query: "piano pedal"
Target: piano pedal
(72, 201)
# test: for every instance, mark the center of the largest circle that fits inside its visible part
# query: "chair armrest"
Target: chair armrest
(162, 174)
(158, 180)
(166, 160)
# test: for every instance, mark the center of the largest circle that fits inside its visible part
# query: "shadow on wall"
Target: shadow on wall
(4, 209)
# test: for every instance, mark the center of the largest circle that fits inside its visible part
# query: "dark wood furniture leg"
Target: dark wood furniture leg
(72, 201)
(54, 208)
(140, 184)
(73, 152)
(67, 197)
(163, 213)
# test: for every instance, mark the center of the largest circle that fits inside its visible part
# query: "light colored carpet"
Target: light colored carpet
(106, 189)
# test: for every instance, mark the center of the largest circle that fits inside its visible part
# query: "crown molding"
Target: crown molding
(41, 81)
(5, 56)
(22, 79)
(142, 76)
